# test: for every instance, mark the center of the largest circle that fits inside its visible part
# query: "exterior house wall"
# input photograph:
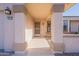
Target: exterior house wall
(7, 29)
(1, 30)
(71, 41)
(8, 34)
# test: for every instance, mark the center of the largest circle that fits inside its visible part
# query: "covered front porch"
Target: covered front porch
(47, 23)
(30, 27)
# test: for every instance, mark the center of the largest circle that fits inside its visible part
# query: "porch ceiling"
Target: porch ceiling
(41, 10)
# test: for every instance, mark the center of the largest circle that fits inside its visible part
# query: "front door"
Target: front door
(37, 28)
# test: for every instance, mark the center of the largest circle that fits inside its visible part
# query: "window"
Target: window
(71, 26)
(74, 26)
(48, 26)
(65, 26)
(37, 27)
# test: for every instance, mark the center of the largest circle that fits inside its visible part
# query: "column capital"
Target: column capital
(58, 7)
(18, 8)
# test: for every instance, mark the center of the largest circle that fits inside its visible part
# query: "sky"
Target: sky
(73, 11)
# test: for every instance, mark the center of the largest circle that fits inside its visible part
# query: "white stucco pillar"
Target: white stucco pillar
(57, 27)
(19, 17)
(19, 27)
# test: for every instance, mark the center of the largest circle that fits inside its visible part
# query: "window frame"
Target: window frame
(48, 26)
(69, 27)
(64, 24)
(37, 26)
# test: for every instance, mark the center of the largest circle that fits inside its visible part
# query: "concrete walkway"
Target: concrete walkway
(38, 43)
(39, 47)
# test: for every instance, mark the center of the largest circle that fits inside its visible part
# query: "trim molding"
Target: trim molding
(58, 8)
(57, 46)
(18, 8)
(20, 46)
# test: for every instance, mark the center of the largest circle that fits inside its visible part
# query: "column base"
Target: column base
(20, 46)
(57, 52)
(20, 49)
(57, 47)
(20, 53)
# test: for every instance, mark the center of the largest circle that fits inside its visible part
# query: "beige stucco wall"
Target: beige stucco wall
(71, 43)
(43, 26)
(29, 28)
(6, 29)
(6, 32)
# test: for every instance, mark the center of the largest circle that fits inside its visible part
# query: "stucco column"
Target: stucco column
(19, 17)
(43, 28)
(57, 27)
